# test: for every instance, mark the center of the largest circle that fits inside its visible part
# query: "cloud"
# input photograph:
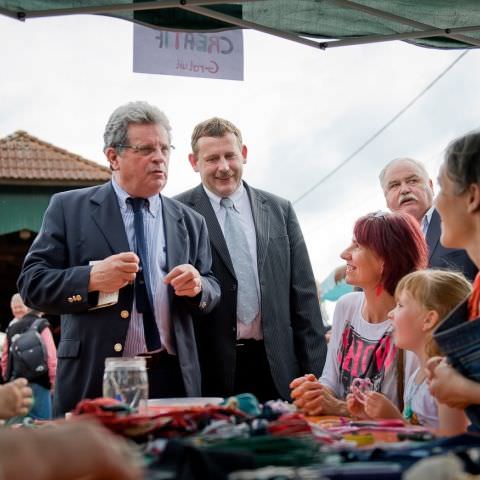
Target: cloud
(301, 111)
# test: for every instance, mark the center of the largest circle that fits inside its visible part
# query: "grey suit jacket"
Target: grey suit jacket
(291, 320)
(446, 258)
(84, 225)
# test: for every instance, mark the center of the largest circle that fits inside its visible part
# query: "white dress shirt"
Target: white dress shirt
(241, 203)
(426, 220)
(157, 260)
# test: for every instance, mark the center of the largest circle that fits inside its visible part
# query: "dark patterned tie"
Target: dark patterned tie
(143, 290)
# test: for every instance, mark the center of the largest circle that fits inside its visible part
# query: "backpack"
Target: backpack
(28, 353)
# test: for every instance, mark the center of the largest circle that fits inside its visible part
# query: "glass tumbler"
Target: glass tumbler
(125, 379)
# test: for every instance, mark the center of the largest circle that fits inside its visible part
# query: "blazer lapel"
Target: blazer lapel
(175, 233)
(202, 205)
(262, 223)
(433, 233)
(106, 214)
(175, 236)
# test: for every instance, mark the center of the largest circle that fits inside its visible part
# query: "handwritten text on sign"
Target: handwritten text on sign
(189, 54)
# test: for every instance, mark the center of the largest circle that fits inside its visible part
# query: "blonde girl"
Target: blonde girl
(423, 298)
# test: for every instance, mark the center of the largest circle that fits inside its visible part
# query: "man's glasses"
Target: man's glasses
(147, 150)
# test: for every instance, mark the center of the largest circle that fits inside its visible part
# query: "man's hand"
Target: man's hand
(185, 280)
(114, 272)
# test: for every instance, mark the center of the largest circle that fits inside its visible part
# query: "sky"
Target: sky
(301, 111)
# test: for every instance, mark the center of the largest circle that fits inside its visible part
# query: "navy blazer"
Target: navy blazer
(446, 258)
(291, 320)
(84, 225)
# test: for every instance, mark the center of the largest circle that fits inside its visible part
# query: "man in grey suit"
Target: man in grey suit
(408, 188)
(267, 328)
(85, 250)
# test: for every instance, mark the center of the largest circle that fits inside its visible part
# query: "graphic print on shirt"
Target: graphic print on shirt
(365, 358)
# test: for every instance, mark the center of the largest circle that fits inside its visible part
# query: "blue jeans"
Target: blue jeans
(459, 340)
(42, 403)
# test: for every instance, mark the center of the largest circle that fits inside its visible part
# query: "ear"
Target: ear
(112, 157)
(473, 198)
(193, 161)
(430, 184)
(244, 153)
(430, 320)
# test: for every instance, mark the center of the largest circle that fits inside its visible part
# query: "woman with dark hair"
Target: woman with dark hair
(455, 380)
(384, 248)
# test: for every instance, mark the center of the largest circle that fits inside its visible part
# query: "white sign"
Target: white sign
(188, 54)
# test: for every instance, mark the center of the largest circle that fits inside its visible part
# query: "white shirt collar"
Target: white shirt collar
(428, 216)
(235, 197)
(122, 196)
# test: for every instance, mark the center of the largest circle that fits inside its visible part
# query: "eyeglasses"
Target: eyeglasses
(147, 150)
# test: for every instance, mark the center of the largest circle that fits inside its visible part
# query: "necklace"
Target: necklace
(408, 412)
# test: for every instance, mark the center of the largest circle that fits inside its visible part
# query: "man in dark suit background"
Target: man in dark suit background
(408, 188)
(267, 328)
(100, 224)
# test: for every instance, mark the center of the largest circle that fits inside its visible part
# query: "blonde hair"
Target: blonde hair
(437, 290)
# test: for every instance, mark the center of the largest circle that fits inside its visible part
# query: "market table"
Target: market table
(221, 442)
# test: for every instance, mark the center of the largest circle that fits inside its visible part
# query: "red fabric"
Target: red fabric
(474, 300)
(165, 422)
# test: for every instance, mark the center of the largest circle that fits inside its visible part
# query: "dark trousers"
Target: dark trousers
(252, 371)
(164, 376)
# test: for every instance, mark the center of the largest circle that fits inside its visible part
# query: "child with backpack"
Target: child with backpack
(423, 299)
(29, 352)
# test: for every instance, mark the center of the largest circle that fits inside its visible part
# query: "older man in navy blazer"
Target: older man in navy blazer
(267, 328)
(86, 247)
(408, 188)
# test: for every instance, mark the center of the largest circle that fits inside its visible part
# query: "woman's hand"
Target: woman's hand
(313, 398)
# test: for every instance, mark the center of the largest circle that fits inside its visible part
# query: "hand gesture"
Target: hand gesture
(313, 398)
(354, 407)
(450, 387)
(15, 398)
(114, 272)
(185, 280)
(378, 405)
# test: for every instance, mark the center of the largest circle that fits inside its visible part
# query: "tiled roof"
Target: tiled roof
(25, 159)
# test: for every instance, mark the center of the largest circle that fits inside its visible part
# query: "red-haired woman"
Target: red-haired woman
(385, 247)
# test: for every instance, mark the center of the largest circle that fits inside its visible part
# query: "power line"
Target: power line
(382, 129)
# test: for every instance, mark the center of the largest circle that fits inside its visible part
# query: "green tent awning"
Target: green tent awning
(429, 23)
(22, 211)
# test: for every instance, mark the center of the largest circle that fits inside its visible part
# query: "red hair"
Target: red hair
(397, 239)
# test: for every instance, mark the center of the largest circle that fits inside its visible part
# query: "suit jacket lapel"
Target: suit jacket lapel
(433, 233)
(175, 233)
(175, 236)
(202, 205)
(106, 214)
(262, 223)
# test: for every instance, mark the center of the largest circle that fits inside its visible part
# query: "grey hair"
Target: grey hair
(462, 161)
(393, 162)
(133, 112)
(16, 298)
